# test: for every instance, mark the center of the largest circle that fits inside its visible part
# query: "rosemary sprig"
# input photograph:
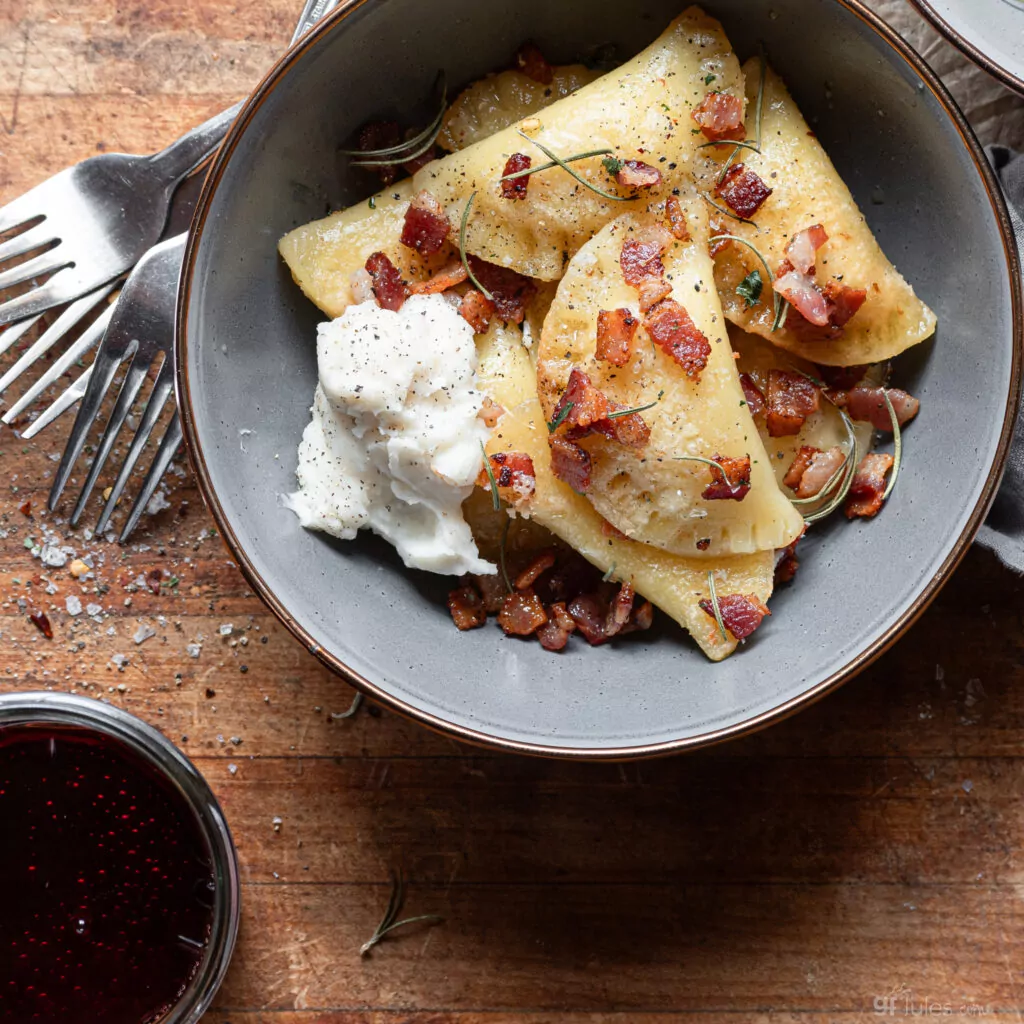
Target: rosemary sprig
(553, 163)
(410, 148)
(501, 552)
(495, 496)
(462, 250)
(558, 420)
(726, 210)
(715, 607)
(579, 177)
(707, 462)
(388, 922)
(781, 311)
(759, 109)
(357, 703)
(897, 441)
(780, 305)
(640, 408)
(745, 144)
(610, 573)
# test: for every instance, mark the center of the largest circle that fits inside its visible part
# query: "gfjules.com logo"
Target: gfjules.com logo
(903, 1002)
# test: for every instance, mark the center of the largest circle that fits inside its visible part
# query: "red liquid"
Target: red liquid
(106, 880)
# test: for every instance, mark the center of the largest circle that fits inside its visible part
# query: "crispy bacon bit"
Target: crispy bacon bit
(791, 399)
(703, 544)
(842, 378)
(615, 331)
(511, 291)
(590, 613)
(786, 567)
(803, 247)
(534, 64)
(620, 610)
(641, 259)
(380, 135)
(492, 590)
(637, 174)
(467, 608)
(522, 613)
(799, 466)
(731, 482)
(42, 623)
(476, 310)
(865, 495)
(812, 469)
(608, 530)
(800, 291)
(539, 565)
(490, 412)
(676, 219)
(447, 277)
(388, 287)
(570, 463)
(555, 633)
(513, 473)
(671, 328)
(720, 117)
(753, 395)
(516, 188)
(867, 405)
(589, 403)
(25, 508)
(845, 300)
(642, 617)
(426, 225)
(630, 430)
(741, 613)
(652, 290)
(742, 191)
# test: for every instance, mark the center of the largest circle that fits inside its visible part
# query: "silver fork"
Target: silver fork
(94, 221)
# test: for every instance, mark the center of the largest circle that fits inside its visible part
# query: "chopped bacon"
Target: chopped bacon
(555, 633)
(590, 613)
(620, 610)
(799, 466)
(704, 543)
(492, 590)
(490, 412)
(787, 565)
(842, 378)
(742, 191)
(812, 469)
(637, 174)
(426, 225)
(467, 608)
(388, 287)
(641, 259)
(729, 483)
(447, 277)
(42, 622)
(25, 508)
(513, 473)
(608, 530)
(630, 430)
(803, 247)
(517, 187)
(800, 291)
(417, 163)
(615, 331)
(570, 464)
(845, 301)
(534, 64)
(522, 613)
(791, 399)
(538, 566)
(741, 613)
(585, 402)
(753, 394)
(511, 290)
(380, 135)
(476, 309)
(867, 405)
(671, 328)
(642, 617)
(720, 117)
(865, 495)
(676, 219)
(652, 290)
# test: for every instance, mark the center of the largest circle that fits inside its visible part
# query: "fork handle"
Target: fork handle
(182, 157)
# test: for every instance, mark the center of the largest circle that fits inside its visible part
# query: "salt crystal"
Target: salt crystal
(233, 768)
(53, 556)
(236, 740)
(967, 785)
(73, 605)
(143, 633)
(225, 629)
(119, 660)
(193, 650)
(277, 823)
(93, 610)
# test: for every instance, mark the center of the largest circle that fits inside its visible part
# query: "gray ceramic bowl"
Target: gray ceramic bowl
(246, 362)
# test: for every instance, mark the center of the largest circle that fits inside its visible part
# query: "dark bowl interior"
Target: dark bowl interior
(247, 363)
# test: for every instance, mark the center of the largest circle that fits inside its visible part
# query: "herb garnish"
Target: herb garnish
(610, 573)
(897, 441)
(612, 165)
(462, 250)
(357, 701)
(495, 496)
(840, 473)
(388, 922)
(758, 111)
(708, 79)
(715, 606)
(579, 177)
(558, 420)
(641, 408)
(501, 552)
(727, 211)
(780, 305)
(850, 468)
(526, 172)
(749, 289)
(707, 462)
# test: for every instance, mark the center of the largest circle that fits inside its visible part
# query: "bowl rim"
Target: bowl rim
(480, 737)
(967, 48)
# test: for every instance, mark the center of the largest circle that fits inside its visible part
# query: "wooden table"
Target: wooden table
(867, 848)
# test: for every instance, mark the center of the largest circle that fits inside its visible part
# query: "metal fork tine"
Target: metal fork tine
(130, 388)
(43, 264)
(19, 211)
(55, 292)
(53, 334)
(165, 453)
(74, 352)
(15, 332)
(157, 398)
(25, 242)
(59, 406)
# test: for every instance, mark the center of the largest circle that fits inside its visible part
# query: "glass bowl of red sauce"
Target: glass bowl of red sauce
(120, 876)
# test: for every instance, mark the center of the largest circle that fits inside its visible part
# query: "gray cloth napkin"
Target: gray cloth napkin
(1003, 531)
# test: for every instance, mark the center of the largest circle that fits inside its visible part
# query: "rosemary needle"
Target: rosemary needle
(727, 212)
(707, 462)
(640, 408)
(357, 702)
(780, 305)
(557, 421)
(388, 922)
(462, 250)
(501, 552)
(715, 606)
(579, 177)
(495, 496)
(554, 163)
(897, 441)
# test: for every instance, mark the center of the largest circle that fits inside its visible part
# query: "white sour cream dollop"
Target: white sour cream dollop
(394, 443)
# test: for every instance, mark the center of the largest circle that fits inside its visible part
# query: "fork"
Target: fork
(89, 224)
(140, 330)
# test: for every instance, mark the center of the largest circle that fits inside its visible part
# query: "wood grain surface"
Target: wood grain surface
(864, 854)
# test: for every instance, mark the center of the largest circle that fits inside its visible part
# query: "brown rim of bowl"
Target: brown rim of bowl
(857, 664)
(969, 50)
